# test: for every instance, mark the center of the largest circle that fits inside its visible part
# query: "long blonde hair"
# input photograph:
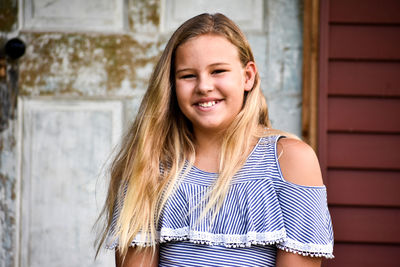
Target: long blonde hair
(162, 136)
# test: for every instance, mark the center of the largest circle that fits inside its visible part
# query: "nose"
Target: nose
(205, 84)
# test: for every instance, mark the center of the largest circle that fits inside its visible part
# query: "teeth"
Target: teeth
(207, 104)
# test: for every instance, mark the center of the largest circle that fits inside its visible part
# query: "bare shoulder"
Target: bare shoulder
(299, 163)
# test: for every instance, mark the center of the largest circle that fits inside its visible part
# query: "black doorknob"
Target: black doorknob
(15, 48)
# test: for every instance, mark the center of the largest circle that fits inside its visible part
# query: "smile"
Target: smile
(207, 104)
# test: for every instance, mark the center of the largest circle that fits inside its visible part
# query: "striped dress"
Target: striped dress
(261, 212)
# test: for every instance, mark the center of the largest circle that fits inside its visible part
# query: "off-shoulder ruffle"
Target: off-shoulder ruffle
(248, 217)
(261, 210)
(307, 220)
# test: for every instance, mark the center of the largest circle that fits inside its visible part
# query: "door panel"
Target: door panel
(63, 144)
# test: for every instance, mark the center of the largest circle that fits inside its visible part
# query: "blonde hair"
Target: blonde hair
(162, 136)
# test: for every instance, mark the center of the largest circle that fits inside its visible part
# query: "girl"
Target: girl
(201, 179)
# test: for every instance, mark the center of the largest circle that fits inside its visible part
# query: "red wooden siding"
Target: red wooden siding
(359, 128)
(364, 78)
(364, 42)
(370, 225)
(364, 114)
(364, 11)
(368, 184)
(365, 255)
(363, 151)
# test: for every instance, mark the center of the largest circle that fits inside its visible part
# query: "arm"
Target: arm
(299, 165)
(134, 258)
(289, 259)
(298, 162)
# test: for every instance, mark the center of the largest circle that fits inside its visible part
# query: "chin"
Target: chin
(214, 127)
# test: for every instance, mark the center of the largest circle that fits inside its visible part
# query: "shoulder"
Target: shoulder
(299, 163)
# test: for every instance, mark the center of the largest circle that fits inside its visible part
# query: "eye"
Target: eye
(218, 71)
(187, 76)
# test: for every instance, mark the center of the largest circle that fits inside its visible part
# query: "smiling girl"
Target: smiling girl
(201, 179)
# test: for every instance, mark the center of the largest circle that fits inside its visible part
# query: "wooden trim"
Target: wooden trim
(310, 72)
(323, 60)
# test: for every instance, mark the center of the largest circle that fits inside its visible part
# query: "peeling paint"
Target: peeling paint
(282, 83)
(144, 16)
(8, 184)
(85, 64)
(8, 15)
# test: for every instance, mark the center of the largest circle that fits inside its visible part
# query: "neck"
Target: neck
(208, 147)
(208, 140)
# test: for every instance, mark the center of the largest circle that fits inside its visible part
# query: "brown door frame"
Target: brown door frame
(310, 71)
(315, 77)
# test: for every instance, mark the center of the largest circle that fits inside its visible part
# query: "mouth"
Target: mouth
(208, 104)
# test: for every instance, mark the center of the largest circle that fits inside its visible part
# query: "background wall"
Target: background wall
(359, 132)
(119, 64)
(85, 70)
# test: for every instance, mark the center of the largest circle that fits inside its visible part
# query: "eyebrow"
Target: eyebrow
(211, 65)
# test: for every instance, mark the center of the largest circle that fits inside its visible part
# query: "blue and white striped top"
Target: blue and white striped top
(261, 212)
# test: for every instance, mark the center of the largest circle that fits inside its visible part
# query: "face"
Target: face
(211, 82)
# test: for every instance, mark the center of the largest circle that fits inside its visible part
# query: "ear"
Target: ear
(250, 71)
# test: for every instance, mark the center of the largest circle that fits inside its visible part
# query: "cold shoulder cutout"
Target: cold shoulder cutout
(298, 162)
(262, 211)
(303, 200)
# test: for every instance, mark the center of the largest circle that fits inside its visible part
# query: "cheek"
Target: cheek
(179, 94)
(239, 100)
(184, 90)
(183, 99)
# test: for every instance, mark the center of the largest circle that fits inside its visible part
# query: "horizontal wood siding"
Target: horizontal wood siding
(359, 128)
(363, 151)
(353, 42)
(364, 115)
(364, 11)
(369, 225)
(364, 254)
(364, 187)
(364, 78)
